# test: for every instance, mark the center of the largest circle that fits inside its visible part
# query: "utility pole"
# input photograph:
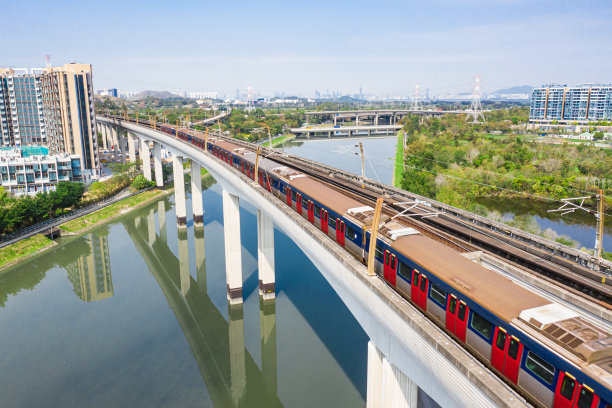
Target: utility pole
(600, 224)
(373, 235)
(362, 165)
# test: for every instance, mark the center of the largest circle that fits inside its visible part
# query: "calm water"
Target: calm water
(135, 314)
(340, 153)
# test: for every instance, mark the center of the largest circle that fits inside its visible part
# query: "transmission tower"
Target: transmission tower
(416, 101)
(250, 102)
(475, 111)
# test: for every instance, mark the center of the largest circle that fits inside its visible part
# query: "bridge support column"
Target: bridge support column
(179, 190)
(196, 194)
(183, 246)
(335, 120)
(123, 145)
(131, 147)
(115, 143)
(145, 156)
(265, 255)
(103, 134)
(267, 330)
(387, 385)
(376, 120)
(356, 120)
(233, 255)
(237, 353)
(157, 161)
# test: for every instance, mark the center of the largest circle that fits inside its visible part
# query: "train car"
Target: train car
(544, 350)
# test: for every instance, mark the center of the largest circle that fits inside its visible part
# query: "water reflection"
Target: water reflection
(218, 346)
(90, 273)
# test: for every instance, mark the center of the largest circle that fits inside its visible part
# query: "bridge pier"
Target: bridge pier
(335, 120)
(131, 146)
(196, 194)
(183, 247)
(387, 385)
(265, 255)
(357, 120)
(123, 146)
(115, 143)
(179, 190)
(145, 156)
(233, 255)
(376, 120)
(157, 161)
(103, 134)
(237, 353)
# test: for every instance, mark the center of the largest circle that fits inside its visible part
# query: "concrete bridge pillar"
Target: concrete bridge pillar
(103, 134)
(123, 145)
(233, 255)
(200, 256)
(145, 156)
(196, 194)
(157, 161)
(183, 246)
(265, 255)
(131, 146)
(237, 353)
(115, 143)
(376, 120)
(335, 120)
(179, 190)
(267, 330)
(356, 120)
(387, 385)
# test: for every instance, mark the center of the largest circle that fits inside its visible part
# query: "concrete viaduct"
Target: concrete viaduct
(405, 352)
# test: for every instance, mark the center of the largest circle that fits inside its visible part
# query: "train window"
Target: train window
(293, 195)
(304, 203)
(513, 349)
(317, 209)
(437, 294)
(350, 233)
(567, 387)
(379, 252)
(332, 221)
(404, 270)
(462, 310)
(501, 340)
(481, 325)
(452, 304)
(540, 367)
(585, 398)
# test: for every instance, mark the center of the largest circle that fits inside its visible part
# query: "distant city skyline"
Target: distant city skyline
(385, 48)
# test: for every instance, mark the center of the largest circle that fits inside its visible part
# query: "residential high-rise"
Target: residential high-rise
(21, 121)
(52, 106)
(68, 108)
(561, 103)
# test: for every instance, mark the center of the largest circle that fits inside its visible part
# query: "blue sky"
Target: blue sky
(298, 47)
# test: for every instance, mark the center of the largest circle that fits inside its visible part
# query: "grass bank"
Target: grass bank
(399, 160)
(114, 210)
(21, 250)
(279, 140)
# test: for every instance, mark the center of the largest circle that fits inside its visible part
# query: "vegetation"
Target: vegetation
(279, 140)
(19, 212)
(104, 214)
(398, 163)
(140, 182)
(23, 248)
(253, 126)
(451, 161)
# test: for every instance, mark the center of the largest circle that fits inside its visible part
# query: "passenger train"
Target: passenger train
(544, 350)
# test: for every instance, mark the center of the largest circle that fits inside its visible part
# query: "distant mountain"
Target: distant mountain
(523, 89)
(153, 94)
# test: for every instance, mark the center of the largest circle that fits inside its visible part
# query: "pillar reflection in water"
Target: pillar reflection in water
(161, 215)
(237, 352)
(267, 330)
(200, 257)
(183, 247)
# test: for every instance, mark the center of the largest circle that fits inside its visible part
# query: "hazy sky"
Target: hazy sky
(299, 47)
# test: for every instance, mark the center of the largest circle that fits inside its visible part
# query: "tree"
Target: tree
(598, 135)
(141, 182)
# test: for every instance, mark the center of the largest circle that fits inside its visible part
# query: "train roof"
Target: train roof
(331, 198)
(498, 294)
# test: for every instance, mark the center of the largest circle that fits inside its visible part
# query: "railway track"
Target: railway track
(457, 233)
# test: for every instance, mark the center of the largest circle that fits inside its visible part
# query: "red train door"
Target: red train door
(393, 270)
(461, 321)
(423, 292)
(414, 290)
(566, 392)
(451, 313)
(261, 180)
(288, 191)
(340, 229)
(512, 361)
(242, 167)
(269, 186)
(586, 398)
(310, 211)
(386, 261)
(498, 350)
(298, 202)
(324, 221)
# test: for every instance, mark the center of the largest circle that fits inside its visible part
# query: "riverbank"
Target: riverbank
(24, 249)
(111, 212)
(398, 164)
(278, 140)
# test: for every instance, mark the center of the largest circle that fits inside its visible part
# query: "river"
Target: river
(111, 318)
(379, 153)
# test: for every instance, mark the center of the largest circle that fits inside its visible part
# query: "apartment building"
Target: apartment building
(563, 104)
(53, 107)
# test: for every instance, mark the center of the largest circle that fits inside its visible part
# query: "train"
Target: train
(545, 351)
